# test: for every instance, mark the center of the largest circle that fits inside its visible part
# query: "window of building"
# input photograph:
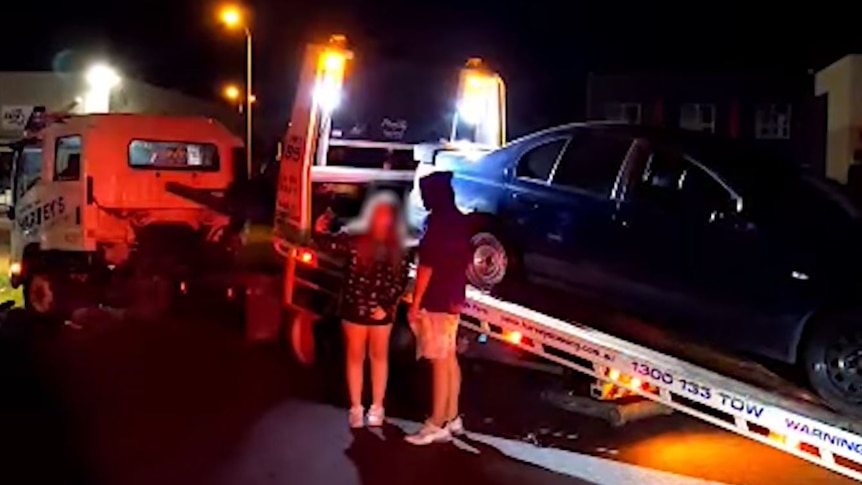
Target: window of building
(772, 121)
(67, 158)
(538, 161)
(592, 162)
(171, 155)
(697, 117)
(623, 112)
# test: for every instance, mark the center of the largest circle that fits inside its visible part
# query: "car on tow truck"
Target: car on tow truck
(707, 237)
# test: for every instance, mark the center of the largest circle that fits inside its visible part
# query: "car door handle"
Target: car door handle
(620, 220)
(525, 201)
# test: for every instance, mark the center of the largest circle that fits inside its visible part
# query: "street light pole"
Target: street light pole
(248, 101)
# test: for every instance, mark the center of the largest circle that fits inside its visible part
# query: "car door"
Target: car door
(690, 257)
(577, 223)
(524, 207)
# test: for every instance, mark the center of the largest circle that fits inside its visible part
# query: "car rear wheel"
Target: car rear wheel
(833, 360)
(493, 264)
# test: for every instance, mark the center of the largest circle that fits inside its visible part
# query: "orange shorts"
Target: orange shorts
(436, 335)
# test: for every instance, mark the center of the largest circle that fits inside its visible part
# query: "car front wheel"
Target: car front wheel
(833, 360)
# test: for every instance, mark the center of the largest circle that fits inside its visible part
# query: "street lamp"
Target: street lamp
(232, 17)
(231, 92)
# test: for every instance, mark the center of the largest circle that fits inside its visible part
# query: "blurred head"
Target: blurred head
(382, 223)
(380, 218)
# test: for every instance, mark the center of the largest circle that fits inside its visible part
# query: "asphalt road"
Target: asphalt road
(187, 401)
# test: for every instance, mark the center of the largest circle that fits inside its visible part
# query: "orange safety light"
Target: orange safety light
(330, 73)
(306, 256)
(514, 337)
(482, 103)
(613, 374)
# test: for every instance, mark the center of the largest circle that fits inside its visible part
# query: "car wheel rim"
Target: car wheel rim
(40, 295)
(489, 261)
(844, 365)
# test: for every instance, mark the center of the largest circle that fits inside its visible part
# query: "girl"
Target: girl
(376, 277)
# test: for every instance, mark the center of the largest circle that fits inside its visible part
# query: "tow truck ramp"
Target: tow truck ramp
(799, 428)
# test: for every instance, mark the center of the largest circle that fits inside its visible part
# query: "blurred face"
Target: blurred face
(382, 221)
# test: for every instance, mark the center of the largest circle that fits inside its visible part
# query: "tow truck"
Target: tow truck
(620, 367)
(91, 217)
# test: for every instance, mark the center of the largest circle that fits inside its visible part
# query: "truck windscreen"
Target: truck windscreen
(173, 155)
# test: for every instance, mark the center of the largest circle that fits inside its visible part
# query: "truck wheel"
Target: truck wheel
(833, 364)
(493, 263)
(40, 291)
(301, 337)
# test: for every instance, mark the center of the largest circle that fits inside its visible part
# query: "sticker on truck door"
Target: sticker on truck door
(42, 213)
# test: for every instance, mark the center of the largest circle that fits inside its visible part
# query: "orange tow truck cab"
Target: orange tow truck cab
(91, 198)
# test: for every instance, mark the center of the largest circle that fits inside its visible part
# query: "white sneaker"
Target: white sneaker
(356, 417)
(429, 434)
(456, 427)
(375, 416)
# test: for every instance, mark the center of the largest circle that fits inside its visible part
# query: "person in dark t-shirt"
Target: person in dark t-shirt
(439, 293)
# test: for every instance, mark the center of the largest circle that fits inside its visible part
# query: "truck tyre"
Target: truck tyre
(832, 355)
(39, 294)
(494, 263)
(301, 336)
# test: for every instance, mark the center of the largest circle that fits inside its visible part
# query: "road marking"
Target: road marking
(600, 471)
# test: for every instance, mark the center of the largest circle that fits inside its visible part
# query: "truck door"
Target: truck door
(26, 174)
(64, 194)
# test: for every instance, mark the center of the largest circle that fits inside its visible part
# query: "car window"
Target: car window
(675, 184)
(592, 162)
(67, 158)
(538, 161)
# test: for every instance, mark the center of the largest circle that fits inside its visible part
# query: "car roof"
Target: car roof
(734, 159)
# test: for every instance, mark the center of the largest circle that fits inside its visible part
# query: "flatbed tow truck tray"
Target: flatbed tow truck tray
(797, 427)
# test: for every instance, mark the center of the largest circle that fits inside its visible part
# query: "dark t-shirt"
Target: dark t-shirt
(445, 248)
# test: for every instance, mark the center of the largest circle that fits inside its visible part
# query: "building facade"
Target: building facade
(778, 112)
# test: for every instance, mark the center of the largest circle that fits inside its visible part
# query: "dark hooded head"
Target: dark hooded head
(437, 192)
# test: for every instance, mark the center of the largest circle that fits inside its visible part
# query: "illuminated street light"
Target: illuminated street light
(232, 16)
(231, 92)
(101, 81)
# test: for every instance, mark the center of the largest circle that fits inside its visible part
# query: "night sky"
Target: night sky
(543, 49)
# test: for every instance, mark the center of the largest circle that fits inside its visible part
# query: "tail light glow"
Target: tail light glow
(514, 337)
(306, 256)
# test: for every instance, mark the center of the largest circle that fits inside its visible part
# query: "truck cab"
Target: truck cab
(90, 196)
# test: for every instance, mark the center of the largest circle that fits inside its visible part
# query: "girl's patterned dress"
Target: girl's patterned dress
(374, 277)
